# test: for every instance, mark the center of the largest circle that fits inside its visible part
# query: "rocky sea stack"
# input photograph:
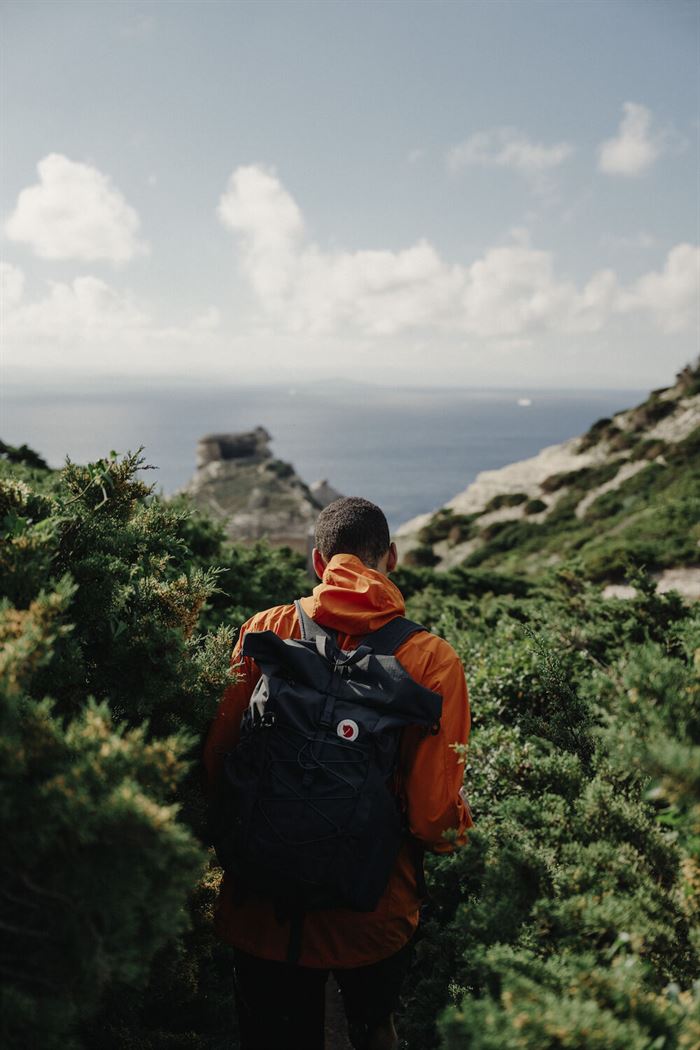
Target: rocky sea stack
(240, 483)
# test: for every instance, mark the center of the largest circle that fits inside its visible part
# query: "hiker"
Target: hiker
(280, 997)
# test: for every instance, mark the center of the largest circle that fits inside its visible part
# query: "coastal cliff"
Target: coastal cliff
(602, 497)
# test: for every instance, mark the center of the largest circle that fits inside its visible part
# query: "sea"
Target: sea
(407, 449)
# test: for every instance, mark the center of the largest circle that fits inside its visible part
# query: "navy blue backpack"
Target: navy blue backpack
(311, 816)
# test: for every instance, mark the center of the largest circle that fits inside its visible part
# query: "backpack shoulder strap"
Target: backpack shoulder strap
(310, 630)
(386, 640)
(383, 642)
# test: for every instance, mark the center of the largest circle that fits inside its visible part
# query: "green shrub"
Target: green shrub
(438, 527)
(105, 687)
(23, 454)
(505, 499)
(624, 440)
(606, 506)
(501, 536)
(649, 449)
(686, 451)
(652, 411)
(569, 919)
(585, 478)
(688, 379)
(602, 430)
(568, 477)
(411, 579)
(446, 525)
(421, 557)
(279, 468)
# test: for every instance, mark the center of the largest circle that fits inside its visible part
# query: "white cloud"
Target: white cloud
(507, 148)
(208, 321)
(257, 206)
(85, 308)
(378, 291)
(511, 292)
(11, 286)
(75, 212)
(88, 325)
(673, 295)
(634, 149)
(256, 202)
(376, 308)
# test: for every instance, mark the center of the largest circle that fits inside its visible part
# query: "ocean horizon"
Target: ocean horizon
(408, 449)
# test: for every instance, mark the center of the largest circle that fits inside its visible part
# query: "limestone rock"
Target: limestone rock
(239, 483)
(250, 446)
(324, 493)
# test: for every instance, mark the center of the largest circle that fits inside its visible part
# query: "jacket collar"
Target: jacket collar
(353, 598)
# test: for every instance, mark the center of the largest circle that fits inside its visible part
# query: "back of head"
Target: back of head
(353, 525)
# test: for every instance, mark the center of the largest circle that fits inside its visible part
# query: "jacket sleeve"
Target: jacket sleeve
(225, 729)
(433, 772)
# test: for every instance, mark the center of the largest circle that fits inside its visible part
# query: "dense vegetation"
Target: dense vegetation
(107, 683)
(571, 920)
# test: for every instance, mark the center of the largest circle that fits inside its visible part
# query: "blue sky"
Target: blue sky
(500, 193)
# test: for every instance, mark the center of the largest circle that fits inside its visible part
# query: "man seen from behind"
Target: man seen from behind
(280, 1004)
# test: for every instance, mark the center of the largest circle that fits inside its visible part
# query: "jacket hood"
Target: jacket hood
(352, 598)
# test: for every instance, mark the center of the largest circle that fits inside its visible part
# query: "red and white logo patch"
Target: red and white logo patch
(348, 730)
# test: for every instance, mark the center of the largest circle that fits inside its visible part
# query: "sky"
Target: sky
(499, 193)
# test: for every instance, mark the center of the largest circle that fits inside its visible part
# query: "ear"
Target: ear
(319, 562)
(393, 557)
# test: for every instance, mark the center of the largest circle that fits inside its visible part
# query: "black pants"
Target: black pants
(281, 1005)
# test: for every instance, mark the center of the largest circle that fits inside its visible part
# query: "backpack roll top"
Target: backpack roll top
(314, 820)
(374, 663)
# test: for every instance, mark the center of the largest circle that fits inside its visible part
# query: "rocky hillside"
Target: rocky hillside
(625, 493)
(239, 483)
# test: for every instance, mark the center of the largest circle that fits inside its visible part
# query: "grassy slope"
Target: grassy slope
(651, 520)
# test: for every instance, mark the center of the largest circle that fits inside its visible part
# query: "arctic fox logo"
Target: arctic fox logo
(348, 729)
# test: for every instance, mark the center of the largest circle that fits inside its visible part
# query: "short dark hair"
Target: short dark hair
(353, 525)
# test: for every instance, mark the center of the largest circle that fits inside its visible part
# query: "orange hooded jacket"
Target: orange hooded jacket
(354, 600)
